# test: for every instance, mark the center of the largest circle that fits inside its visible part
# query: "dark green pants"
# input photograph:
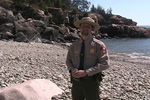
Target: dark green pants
(85, 90)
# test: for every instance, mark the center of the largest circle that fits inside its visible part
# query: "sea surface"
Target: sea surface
(134, 47)
(146, 26)
(139, 47)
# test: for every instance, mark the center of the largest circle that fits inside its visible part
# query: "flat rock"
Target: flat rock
(36, 89)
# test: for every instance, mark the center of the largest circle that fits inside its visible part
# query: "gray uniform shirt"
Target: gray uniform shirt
(96, 56)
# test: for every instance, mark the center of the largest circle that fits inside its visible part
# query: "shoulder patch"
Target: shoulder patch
(98, 41)
(101, 43)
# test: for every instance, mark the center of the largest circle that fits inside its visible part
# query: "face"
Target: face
(86, 29)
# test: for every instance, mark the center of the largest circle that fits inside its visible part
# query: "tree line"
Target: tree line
(81, 5)
(78, 5)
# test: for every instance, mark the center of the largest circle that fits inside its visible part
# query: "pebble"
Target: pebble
(19, 62)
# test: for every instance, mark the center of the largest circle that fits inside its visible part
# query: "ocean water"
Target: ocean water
(146, 26)
(135, 47)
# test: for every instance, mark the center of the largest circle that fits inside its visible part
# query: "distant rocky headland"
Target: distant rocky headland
(55, 24)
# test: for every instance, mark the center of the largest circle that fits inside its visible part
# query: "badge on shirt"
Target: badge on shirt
(92, 50)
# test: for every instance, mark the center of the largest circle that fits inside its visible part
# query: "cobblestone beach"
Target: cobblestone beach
(127, 78)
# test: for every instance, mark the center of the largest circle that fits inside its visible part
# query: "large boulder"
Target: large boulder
(25, 31)
(51, 34)
(57, 15)
(6, 16)
(6, 23)
(6, 31)
(6, 4)
(37, 89)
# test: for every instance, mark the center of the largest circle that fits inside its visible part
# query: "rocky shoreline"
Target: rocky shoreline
(126, 79)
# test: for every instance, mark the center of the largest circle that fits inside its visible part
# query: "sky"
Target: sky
(137, 10)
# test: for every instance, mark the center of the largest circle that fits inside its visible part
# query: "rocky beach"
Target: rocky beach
(127, 78)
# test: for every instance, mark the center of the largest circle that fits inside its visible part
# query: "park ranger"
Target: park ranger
(86, 59)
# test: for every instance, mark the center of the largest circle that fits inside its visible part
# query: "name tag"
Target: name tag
(76, 52)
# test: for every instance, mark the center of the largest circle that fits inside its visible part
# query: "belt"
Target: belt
(83, 78)
(87, 78)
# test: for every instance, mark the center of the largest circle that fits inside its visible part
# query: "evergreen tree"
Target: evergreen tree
(66, 4)
(109, 11)
(100, 10)
(93, 9)
(82, 5)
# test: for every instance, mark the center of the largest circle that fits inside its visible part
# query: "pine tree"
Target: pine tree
(93, 9)
(82, 5)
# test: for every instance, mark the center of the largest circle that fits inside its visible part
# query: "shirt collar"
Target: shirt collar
(88, 40)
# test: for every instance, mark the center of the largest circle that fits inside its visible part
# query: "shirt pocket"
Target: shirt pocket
(91, 59)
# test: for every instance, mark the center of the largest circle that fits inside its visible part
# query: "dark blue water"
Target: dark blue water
(138, 47)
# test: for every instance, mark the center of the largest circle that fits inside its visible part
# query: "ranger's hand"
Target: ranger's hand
(79, 73)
